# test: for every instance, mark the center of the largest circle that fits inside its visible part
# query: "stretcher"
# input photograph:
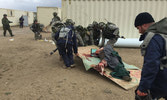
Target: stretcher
(90, 62)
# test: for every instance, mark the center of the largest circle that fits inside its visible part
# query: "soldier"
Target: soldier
(53, 23)
(86, 37)
(21, 20)
(6, 26)
(55, 28)
(66, 42)
(90, 31)
(36, 29)
(55, 18)
(94, 33)
(102, 26)
(111, 32)
(78, 31)
(69, 22)
(153, 80)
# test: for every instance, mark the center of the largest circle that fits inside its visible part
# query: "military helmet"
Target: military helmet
(58, 23)
(4, 14)
(90, 27)
(85, 29)
(54, 13)
(79, 27)
(110, 23)
(35, 20)
(102, 25)
(95, 23)
(69, 22)
(111, 26)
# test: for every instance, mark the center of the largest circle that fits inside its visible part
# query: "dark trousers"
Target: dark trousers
(21, 25)
(66, 53)
(37, 35)
(9, 30)
(157, 97)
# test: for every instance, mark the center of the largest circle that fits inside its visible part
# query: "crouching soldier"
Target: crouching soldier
(109, 31)
(111, 59)
(66, 42)
(94, 33)
(86, 37)
(36, 29)
(78, 31)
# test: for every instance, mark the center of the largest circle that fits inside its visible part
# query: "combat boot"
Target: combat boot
(127, 78)
(72, 66)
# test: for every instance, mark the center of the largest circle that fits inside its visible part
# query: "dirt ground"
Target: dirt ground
(28, 72)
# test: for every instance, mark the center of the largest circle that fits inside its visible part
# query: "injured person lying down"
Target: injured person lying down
(111, 59)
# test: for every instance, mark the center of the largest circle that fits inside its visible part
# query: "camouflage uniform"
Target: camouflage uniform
(78, 31)
(55, 20)
(36, 29)
(55, 28)
(80, 42)
(111, 32)
(95, 32)
(6, 26)
(86, 37)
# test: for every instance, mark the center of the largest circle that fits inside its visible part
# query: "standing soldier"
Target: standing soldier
(21, 19)
(66, 41)
(54, 25)
(153, 82)
(6, 26)
(55, 18)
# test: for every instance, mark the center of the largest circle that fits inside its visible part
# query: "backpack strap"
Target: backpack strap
(164, 59)
(73, 32)
(146, 42)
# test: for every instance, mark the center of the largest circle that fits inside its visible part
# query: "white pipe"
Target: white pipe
(129, 42)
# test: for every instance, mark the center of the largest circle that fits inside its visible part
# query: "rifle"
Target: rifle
(51, 53)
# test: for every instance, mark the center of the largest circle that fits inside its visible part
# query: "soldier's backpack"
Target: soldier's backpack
(150, 36)
(66, 33)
